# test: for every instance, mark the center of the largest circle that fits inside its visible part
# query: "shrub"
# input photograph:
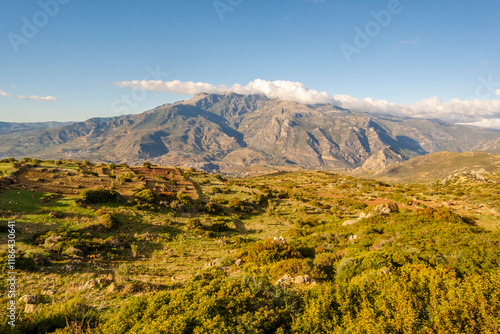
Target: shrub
(147, 164)
(213, 209)
(122, 273)
(134, 249)
(167, 195)
(442, 214)
(109, 221)
(219, 226)
(212, 303)
(293, 267)
(268, 252)
(146, 196)
(239, 205)
(193, 224)
(184, 199)
(23, 262)
(126, 177)
(56, 318)
(99, 196)
(309, 222)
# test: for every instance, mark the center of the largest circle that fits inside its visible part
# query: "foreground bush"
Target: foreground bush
(416, 299)
(53, 318)
(211, 304)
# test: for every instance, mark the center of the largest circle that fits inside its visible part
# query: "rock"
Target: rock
(113, 287)
(350, 222)
(279, 240)
(56, 215)
(48, 292)
(69, 268)
(91, 284)
(386, 208)
(211, 264)
(302, 279)
(28, 299)
(285, 280)
(29, 308)
(353, 237)
(40, 259)
(238, 262)
(382, 159)
(73, 252)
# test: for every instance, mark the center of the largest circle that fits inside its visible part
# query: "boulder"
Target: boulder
(302, 279)
(350, 222)
(285, 280)
(279, 240)
(28, 299)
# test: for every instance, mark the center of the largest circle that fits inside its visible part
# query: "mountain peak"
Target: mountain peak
(229, 130)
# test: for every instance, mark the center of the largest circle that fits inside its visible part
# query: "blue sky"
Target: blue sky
(69, 68)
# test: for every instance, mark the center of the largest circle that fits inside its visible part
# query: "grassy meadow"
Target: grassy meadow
(170, 250)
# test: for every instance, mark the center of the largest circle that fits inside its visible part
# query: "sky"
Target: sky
(70, 60)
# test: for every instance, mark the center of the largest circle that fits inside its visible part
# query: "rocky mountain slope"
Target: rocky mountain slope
(491, 146)
(231, 131)
(437, 166)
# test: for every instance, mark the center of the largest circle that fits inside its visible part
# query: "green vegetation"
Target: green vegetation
(307, 252)
(99, 196)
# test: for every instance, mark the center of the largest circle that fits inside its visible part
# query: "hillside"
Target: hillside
(230, 132)
(118, 249)
(435, 166)
(490, 146)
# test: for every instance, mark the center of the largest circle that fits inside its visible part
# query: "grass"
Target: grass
(307, 208)
(20, 200)
(6, 168)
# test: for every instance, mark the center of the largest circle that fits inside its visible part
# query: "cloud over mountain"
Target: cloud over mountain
(285, 90)
(485, 113)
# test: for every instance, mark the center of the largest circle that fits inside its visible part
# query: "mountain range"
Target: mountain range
(233, 132)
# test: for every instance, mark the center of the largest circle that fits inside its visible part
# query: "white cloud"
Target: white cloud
(285, 90)
(408, 42)
(32, 97)
(497, 92)
(37, 98)
(477, 112)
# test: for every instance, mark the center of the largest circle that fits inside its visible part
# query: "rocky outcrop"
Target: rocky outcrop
(287, 280)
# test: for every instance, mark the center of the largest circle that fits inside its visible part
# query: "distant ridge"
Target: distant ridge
(435, 166)
(236, 133)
